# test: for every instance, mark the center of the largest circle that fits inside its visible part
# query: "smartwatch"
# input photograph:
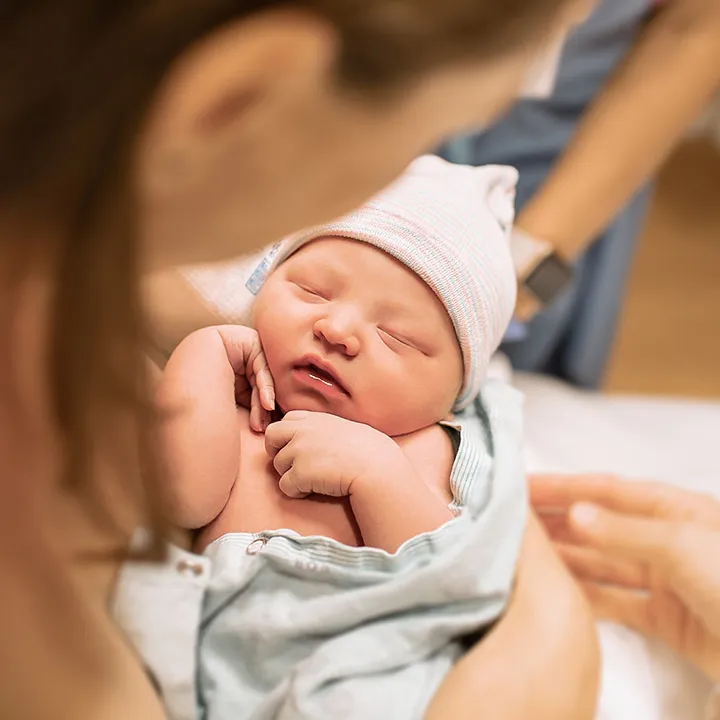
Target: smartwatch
(539, 269)
(548, 278)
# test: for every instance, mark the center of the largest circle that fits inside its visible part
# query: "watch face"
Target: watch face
(549, 279)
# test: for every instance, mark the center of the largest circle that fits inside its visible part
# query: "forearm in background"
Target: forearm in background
(200, 441)
(175, 309)
(540, 661)
(632, 125)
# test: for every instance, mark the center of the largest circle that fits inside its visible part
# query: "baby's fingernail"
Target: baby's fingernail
(270, 398)
(584, 514)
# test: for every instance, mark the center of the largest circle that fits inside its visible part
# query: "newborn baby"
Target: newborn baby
(372, 328)
(361, 351)
(370, 332)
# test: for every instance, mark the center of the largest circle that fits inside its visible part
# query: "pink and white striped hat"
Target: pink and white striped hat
(450, 224)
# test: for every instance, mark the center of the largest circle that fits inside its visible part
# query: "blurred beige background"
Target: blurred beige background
(669, 338)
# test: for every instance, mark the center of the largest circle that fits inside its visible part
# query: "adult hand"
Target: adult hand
(315, 452)
(646, 554)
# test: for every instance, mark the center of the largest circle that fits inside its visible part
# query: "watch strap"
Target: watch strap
(527, 252)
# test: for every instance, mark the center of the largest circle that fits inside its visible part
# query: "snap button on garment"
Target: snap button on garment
(256, 546)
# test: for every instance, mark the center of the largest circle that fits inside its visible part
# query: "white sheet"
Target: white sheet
(572, 430)
(568, 430)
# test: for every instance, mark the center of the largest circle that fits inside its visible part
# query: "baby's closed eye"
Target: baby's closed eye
(399, 341)
(311, 293)
(393, 340)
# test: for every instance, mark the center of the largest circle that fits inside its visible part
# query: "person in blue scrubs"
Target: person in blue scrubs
(630, 80)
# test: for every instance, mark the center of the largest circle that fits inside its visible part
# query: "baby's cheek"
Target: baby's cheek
(403, 412)
(275, 353)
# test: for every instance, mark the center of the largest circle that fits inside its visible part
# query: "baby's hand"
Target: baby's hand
(325, 454)
(254, 387)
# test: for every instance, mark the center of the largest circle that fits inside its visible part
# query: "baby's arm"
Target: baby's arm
(391, 498)
(414, 495)
(200, 433)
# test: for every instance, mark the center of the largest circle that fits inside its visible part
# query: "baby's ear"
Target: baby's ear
(497, 184)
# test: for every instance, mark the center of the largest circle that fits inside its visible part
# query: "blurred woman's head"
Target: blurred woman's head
(156, 132)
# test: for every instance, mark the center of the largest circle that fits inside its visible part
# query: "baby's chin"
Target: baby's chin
(387, 423)
(315, 402)
(310, 403)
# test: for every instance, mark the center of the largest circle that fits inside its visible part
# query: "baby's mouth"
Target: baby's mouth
(323, 376)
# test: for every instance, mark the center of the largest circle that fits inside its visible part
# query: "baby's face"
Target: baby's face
(349, 330)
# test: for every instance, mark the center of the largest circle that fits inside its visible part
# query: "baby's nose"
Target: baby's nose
(339, 330)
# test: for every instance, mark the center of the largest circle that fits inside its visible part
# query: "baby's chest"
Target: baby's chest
(256, 502)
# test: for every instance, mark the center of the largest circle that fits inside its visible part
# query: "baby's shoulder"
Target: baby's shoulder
(432, 438)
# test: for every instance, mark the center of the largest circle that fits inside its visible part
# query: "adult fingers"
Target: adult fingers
(625, 607)
(587, 564)
(634, 497)
(556, 526)
(660, 615)
(623, 536)
(683, 554)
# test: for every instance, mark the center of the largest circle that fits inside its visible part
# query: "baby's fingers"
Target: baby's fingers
(263, 381)
(291, 485)
(259, 417)
(625, 607)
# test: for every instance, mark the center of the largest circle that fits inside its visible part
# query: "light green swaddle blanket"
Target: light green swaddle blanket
(296, 627)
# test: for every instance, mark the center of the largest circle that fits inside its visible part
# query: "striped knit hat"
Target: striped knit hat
(449, 224)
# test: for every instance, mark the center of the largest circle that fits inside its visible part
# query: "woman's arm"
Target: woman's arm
(541, 661)
(662, 85)
(175, 310)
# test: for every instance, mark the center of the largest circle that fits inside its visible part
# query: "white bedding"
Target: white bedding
(568, 430)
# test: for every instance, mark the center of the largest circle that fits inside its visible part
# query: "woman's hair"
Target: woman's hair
(76, 80)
